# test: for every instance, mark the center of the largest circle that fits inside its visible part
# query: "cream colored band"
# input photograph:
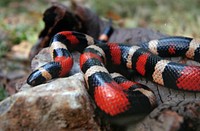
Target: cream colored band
(99, 50)
(93, 70)
(159, 69)
(103, 37)
(153, 46)
(90, 40)
(194, 44)
(114, 75)
(45, 74)
(130, 55)
(56, 45)
(149, 94)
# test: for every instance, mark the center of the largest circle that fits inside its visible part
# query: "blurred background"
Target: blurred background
(21, 23)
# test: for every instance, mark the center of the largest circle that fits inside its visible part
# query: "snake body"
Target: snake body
(114, 94)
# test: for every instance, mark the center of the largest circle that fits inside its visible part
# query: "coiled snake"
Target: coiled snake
(114, 94)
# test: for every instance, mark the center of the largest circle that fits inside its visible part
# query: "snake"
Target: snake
(114, 94)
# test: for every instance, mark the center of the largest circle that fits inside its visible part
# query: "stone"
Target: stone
(61, 104)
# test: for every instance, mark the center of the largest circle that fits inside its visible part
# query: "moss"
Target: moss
(3, 93)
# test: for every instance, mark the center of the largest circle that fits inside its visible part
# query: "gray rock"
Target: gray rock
(61, 104)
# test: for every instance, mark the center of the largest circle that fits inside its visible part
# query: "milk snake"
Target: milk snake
(113, 94)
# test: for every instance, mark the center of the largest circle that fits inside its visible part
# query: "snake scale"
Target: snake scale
(113, 93)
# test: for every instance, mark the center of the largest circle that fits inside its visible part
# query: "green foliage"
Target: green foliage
(3, 48)
(173, 17)
(2, 93)
(125, 8)
(22, 31)
(19, 21)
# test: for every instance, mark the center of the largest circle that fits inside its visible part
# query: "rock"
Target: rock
(134, 36)
(62, 104)
(10, 72)
(184, 115)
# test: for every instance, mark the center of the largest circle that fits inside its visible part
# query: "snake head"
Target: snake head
(36, 78)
